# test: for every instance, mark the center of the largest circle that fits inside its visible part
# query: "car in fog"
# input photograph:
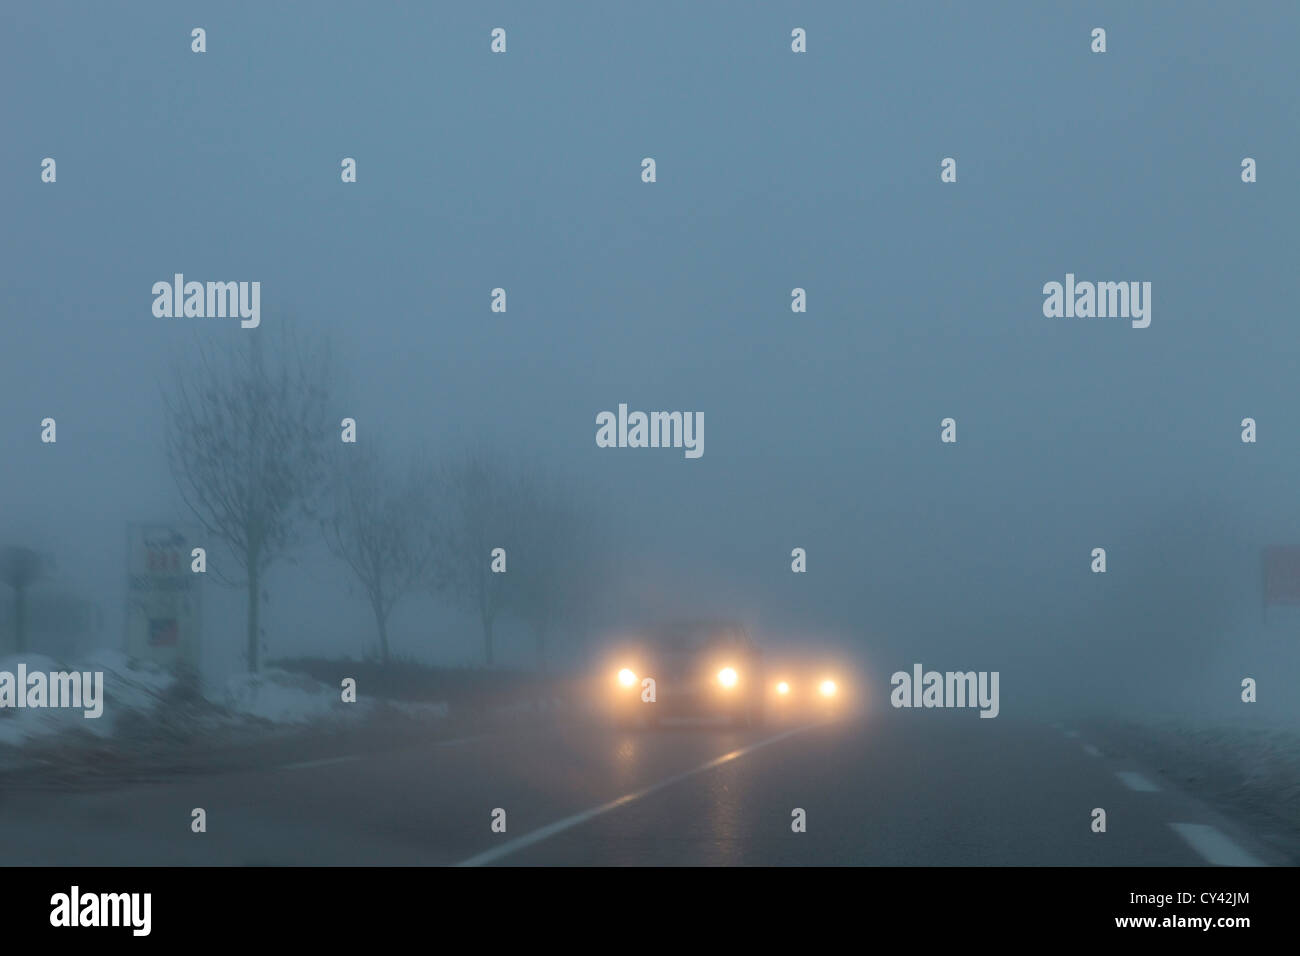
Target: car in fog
(800, 689)
(687, 670)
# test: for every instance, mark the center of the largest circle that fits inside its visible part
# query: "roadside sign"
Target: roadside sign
(163, 596)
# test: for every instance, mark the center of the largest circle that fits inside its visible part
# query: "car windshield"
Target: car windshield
(693, 637)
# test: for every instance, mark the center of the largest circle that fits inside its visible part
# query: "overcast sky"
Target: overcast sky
(775, 171)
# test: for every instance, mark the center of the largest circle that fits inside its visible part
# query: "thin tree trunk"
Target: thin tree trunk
(254, 596)
(20, 619)
(382, 621)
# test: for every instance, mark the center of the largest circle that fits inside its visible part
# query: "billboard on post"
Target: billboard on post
(164, 610)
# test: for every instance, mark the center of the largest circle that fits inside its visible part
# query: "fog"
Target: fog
(774, 172)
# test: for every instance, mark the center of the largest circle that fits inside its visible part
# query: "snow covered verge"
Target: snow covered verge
(1249, 770)
(129, 687)
(281, 697)
(146, 711)
(154, 726)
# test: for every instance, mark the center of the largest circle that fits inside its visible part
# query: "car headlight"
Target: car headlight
(727, 677)
(626, 677)
(828, 688)
(783, 688)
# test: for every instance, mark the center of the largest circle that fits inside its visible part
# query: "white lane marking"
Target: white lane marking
(1135, 781)
(1213, 845)
(318, 763)
(1091, 751)
(559, 826)
(1072, 733)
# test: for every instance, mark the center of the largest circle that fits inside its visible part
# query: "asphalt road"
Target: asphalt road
(893, 787)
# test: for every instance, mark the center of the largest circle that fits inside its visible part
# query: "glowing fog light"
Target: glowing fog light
(783, 688)
(727, 677)
(828, 688)
(626, 677)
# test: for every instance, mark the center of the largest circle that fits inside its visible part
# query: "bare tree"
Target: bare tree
(553, 580)
(481, 496)
(246, 440)
(383, 527)
(20, 568)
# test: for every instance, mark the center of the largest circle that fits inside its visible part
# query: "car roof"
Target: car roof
(699, 632)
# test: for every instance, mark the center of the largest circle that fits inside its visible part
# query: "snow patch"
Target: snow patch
(284, 698)
(129, 686)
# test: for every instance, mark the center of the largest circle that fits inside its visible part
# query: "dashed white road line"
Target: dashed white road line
(559, 826)
(1213, 845)
(1136, 781)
